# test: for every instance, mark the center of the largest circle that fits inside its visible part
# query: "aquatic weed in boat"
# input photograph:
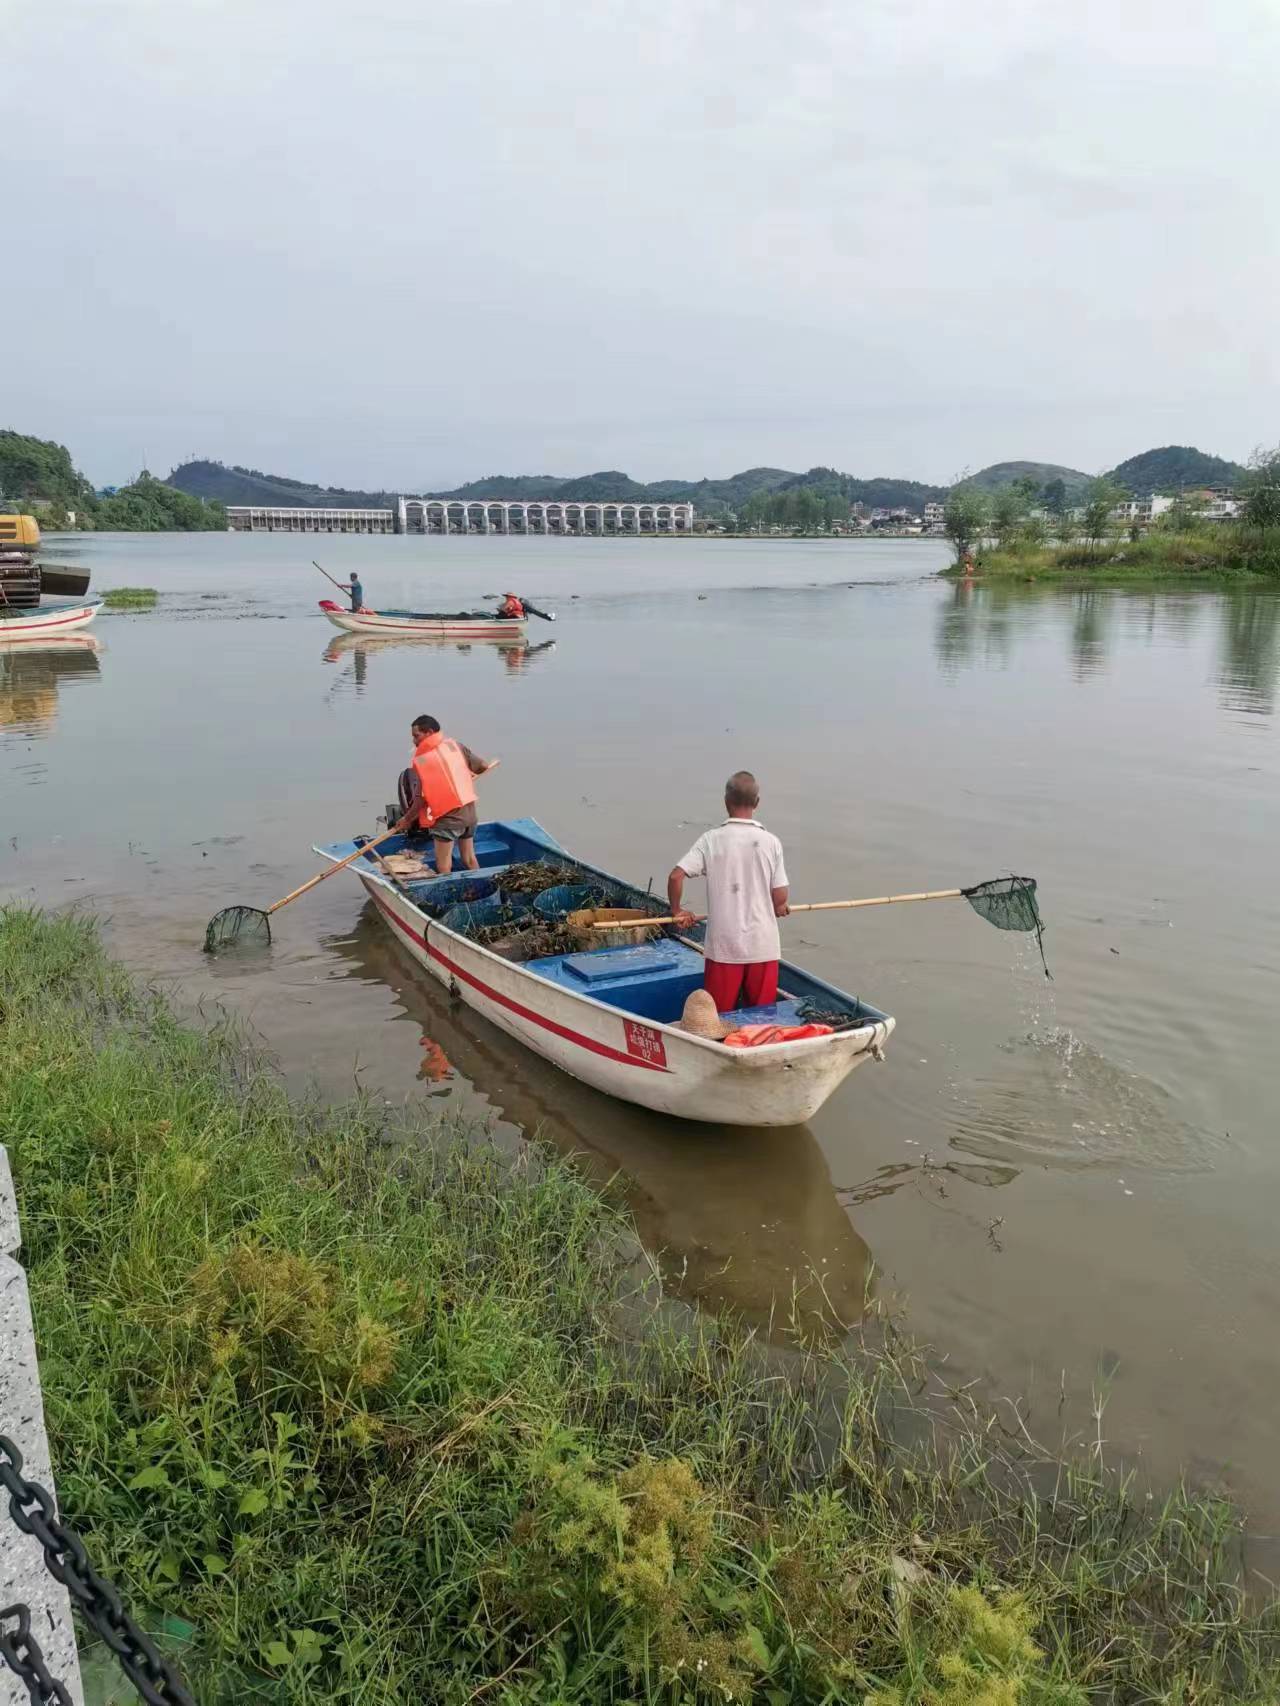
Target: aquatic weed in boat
(536, 875)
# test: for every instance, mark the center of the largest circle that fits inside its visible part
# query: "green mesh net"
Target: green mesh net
(1010, 904)
(237, 926)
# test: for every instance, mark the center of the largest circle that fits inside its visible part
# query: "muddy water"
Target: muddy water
(1069, 1186)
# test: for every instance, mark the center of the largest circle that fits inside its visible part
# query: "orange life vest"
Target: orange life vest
(445, 778)
(511, 607)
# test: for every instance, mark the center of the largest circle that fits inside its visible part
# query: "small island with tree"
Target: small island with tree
(1120, 528)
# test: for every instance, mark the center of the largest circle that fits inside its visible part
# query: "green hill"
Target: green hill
(41, 472)
(1001, 474)
(531, 486)
(217, 483)
(1168, 469)
(1173, 468)
(710, 497)
(39, 468)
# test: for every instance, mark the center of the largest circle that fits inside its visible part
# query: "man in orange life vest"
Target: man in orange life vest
(511, 607)
(438, 794)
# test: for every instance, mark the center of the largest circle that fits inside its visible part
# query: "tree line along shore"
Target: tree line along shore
(1005, 535)
(373, 1413)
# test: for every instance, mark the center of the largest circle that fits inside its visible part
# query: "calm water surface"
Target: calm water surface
(1069, 1186)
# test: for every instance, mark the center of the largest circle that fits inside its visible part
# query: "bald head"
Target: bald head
(741, 793)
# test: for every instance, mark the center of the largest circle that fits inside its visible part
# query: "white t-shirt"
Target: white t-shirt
(742, 862)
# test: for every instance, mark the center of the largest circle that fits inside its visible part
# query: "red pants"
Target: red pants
(741, 986)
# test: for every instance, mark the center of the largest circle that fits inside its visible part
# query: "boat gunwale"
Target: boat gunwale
(740, 1057)
(43, 619)
(479, 622)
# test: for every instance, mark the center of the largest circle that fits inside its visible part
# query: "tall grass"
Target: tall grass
(391, 1419)
(1233, 552)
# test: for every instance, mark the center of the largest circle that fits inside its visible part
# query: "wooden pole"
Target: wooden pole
(343, 589)
(819, 906)
(333, 870)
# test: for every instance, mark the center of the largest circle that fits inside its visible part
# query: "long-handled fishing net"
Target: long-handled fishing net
(1010, 904)
(1007, 902)
(238, 926)
(250, 926)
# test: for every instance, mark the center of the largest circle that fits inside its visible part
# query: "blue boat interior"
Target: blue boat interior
(649, 980)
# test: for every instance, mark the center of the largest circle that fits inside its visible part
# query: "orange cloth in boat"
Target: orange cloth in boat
(511, 607)
(444, 777)
(756, 1036)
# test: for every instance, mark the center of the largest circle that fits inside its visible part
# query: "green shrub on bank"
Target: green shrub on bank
(389, 1418)
(1235, 552)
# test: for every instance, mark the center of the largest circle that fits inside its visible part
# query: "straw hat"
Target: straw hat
(701, 1019)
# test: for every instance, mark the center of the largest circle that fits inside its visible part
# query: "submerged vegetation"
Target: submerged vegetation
(388, 1417)
(130, 598)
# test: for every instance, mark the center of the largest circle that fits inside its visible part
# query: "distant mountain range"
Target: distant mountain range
(235, 485)
(1168, 469)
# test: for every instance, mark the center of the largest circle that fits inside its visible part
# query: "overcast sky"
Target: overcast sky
(408, 244)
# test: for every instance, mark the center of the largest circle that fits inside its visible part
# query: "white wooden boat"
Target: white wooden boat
(53, 619)
(436, 625)
(609, 1016)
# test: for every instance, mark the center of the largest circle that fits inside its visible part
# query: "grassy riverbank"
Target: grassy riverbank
(394, 1421)
(1216, 553)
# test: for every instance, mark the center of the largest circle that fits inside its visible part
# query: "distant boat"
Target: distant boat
(63, 583)
(429, 624)
(610, 1015)
(52, 619)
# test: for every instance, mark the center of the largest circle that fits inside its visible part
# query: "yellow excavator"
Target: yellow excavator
(19, 572)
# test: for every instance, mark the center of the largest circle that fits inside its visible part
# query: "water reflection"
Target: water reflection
(1091, 614)
(1249, 640)
(516, 655)
(31, 672)
(746, 1221)
(980, 627)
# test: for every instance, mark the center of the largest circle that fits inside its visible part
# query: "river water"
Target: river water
(1069, 1188)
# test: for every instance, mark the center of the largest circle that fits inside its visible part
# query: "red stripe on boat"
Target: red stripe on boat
(492, 994)
(39, 627)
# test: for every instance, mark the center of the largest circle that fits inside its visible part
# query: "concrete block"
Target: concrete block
(23, 1576)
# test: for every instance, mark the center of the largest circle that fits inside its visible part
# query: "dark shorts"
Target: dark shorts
(455, 826)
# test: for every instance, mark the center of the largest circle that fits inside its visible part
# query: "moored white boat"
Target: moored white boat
(53, 619)
(623, 1038)
(451, 625)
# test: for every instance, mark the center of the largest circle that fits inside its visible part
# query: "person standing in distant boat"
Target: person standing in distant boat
(356, 593)
(747, 893)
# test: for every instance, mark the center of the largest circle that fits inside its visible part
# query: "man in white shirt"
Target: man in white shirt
(746, 896)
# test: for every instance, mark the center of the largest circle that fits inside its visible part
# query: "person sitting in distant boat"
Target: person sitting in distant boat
(356, 592)
(438, 794)
(511, 607)
(747, 893)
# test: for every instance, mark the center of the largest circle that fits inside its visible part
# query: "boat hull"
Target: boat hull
(424, 627)
(655, 1065)
(48, 622)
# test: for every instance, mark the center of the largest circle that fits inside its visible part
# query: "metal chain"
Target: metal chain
(20, 1650)
(35, 1513)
